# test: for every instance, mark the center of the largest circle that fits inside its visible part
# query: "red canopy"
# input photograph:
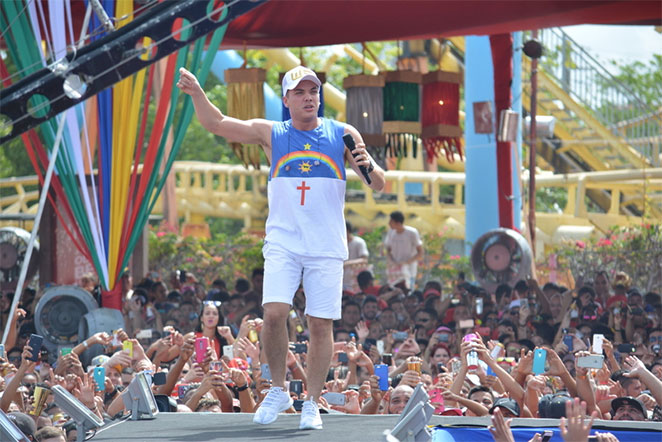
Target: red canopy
(291, 23)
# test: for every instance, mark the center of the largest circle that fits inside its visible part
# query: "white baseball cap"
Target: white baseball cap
(294, 76)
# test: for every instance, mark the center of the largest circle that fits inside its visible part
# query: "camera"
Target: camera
(656, 349)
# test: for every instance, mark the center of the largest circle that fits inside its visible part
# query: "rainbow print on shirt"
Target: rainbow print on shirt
(307, 163)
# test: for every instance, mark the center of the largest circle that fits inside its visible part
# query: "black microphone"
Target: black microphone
(349, 142)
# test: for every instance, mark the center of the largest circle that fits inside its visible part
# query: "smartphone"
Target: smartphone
(296, 386)
(597, 343)
(216, 366)
(547, 435)
(496, 351)
(539, 358)
(400, 335)
(166, 333)
(35, 344)
(437, 400)
(128, 345)
(592, 361)
(466, 323)
(479, 306)
(387, 358)
(116, 341)
(228, 351)
(266, 372)
(100, 378)
(334, 398)
(626, 348)
(201, 345)
(159, 378)
(380, 346)
(567, 340)
(3, 354)
(144, 334)
(300, 348)
(381, 371)
(298, 404)
(182, 389)
(342, 358)
(65, 351)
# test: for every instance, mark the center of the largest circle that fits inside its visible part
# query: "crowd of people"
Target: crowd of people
(474, 352)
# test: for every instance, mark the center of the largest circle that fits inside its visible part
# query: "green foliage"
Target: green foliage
(636, 250)
(226, 256)
(644, 79)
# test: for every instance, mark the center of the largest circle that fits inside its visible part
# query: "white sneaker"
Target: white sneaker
(275, 402)
(310, 416)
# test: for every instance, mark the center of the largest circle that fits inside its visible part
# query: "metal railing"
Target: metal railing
(589, 83)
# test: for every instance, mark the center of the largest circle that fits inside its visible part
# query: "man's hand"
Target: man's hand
(576, 429)
(187, 82)
(500, 428)
(634, 366)
(188, 347)
(362, 331)
(375, 393)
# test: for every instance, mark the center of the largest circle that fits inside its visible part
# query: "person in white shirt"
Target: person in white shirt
(357, 259)
(404, 249)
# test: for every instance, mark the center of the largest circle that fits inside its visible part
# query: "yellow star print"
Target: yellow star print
(306, 146)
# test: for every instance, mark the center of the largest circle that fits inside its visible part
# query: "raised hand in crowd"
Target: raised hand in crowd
(574, 427)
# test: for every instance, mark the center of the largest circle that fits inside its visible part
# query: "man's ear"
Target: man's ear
(285, 101)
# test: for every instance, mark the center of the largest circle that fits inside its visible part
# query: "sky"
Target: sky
(612, 42)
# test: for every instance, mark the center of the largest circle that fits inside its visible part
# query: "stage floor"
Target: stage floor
(337, 427)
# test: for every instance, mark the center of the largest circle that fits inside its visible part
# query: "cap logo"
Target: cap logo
(300, 73)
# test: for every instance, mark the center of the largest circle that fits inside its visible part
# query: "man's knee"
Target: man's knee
(320, 326)
(275, 313)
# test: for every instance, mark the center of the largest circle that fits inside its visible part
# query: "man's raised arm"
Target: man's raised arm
(256, 131)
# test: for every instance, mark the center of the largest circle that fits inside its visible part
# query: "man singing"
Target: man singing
(305, 231)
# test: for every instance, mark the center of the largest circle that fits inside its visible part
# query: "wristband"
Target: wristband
(85, 344)
(581, 376)
(245, 387)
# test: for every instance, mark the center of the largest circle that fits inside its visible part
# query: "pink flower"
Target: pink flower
(580, 244)
(604, 242)
(160, 234)
(454, 257)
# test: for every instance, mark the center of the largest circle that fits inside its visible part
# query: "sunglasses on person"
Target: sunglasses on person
(214, 303)
(655, 338)
(14, 359)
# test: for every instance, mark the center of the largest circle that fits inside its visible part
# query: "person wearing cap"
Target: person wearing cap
(509, 407)
(24, 423)
(306, 235)
(627, 408)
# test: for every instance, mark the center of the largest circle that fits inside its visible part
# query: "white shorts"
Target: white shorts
(322, 281)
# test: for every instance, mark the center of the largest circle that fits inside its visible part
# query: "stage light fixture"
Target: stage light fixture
(9, 431)
(85, 419)
(139, 399)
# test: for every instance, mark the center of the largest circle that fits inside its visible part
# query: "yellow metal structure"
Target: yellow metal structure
(232, 191)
